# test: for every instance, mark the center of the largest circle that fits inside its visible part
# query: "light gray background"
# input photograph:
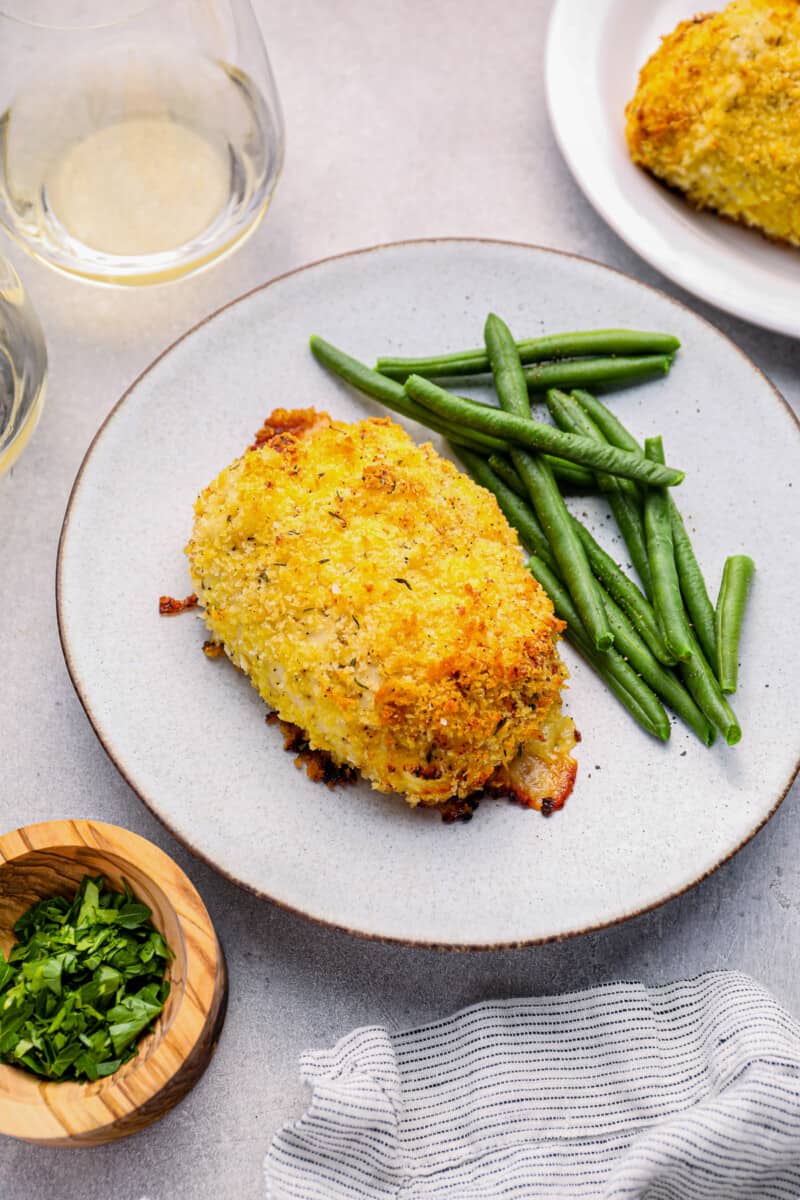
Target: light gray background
(404, 120)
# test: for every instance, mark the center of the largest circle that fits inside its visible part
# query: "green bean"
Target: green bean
(533, 435)
(508, 473)
(509, 378)
(663, 682)
(607, 422)
(392, 395)
(736, 577)
(372, 383)
(693, 586)
(555, 345)
(605, 373)
(661, 555)
(543, 490)
(625, 592)
(622, 495)
(628, 514)
(612, 668)
(703, 686)
(568, 473)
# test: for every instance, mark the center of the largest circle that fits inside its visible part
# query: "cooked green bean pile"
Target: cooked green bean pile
(654, 643)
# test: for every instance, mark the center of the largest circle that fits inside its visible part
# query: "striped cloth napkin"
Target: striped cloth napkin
(690, 1091)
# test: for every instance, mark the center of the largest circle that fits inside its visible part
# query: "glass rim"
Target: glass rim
(86, 26)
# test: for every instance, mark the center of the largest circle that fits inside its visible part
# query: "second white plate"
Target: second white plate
(594, 54)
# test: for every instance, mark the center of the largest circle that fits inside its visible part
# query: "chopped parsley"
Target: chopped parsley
(84, 982)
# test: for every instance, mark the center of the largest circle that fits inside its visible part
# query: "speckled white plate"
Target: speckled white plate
(594, 53)
(645, 820)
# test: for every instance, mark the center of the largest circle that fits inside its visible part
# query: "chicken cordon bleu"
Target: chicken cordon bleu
(377, 599)
(717, 114)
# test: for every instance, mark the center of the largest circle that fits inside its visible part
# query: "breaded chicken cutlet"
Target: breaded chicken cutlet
(716, 114)
(377, 599)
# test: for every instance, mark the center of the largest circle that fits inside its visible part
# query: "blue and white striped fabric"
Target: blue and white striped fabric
(689, 1091)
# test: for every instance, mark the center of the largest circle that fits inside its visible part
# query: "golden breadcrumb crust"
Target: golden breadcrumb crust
(377, 599)
(717, 114)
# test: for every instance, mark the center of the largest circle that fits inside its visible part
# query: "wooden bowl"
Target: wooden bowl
(51, 859)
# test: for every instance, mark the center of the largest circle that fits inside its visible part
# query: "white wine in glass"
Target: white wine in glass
(149, 144)
(23, 367)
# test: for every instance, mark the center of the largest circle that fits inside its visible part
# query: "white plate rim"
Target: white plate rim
(106, 740)
(615, 213)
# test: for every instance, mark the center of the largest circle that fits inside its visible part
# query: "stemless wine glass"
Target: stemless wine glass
(23, 367)
(138, 141)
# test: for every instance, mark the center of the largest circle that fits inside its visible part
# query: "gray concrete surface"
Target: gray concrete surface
(404, 120)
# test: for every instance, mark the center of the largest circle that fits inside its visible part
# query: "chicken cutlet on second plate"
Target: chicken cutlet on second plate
(717, 114)
(377, 599)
